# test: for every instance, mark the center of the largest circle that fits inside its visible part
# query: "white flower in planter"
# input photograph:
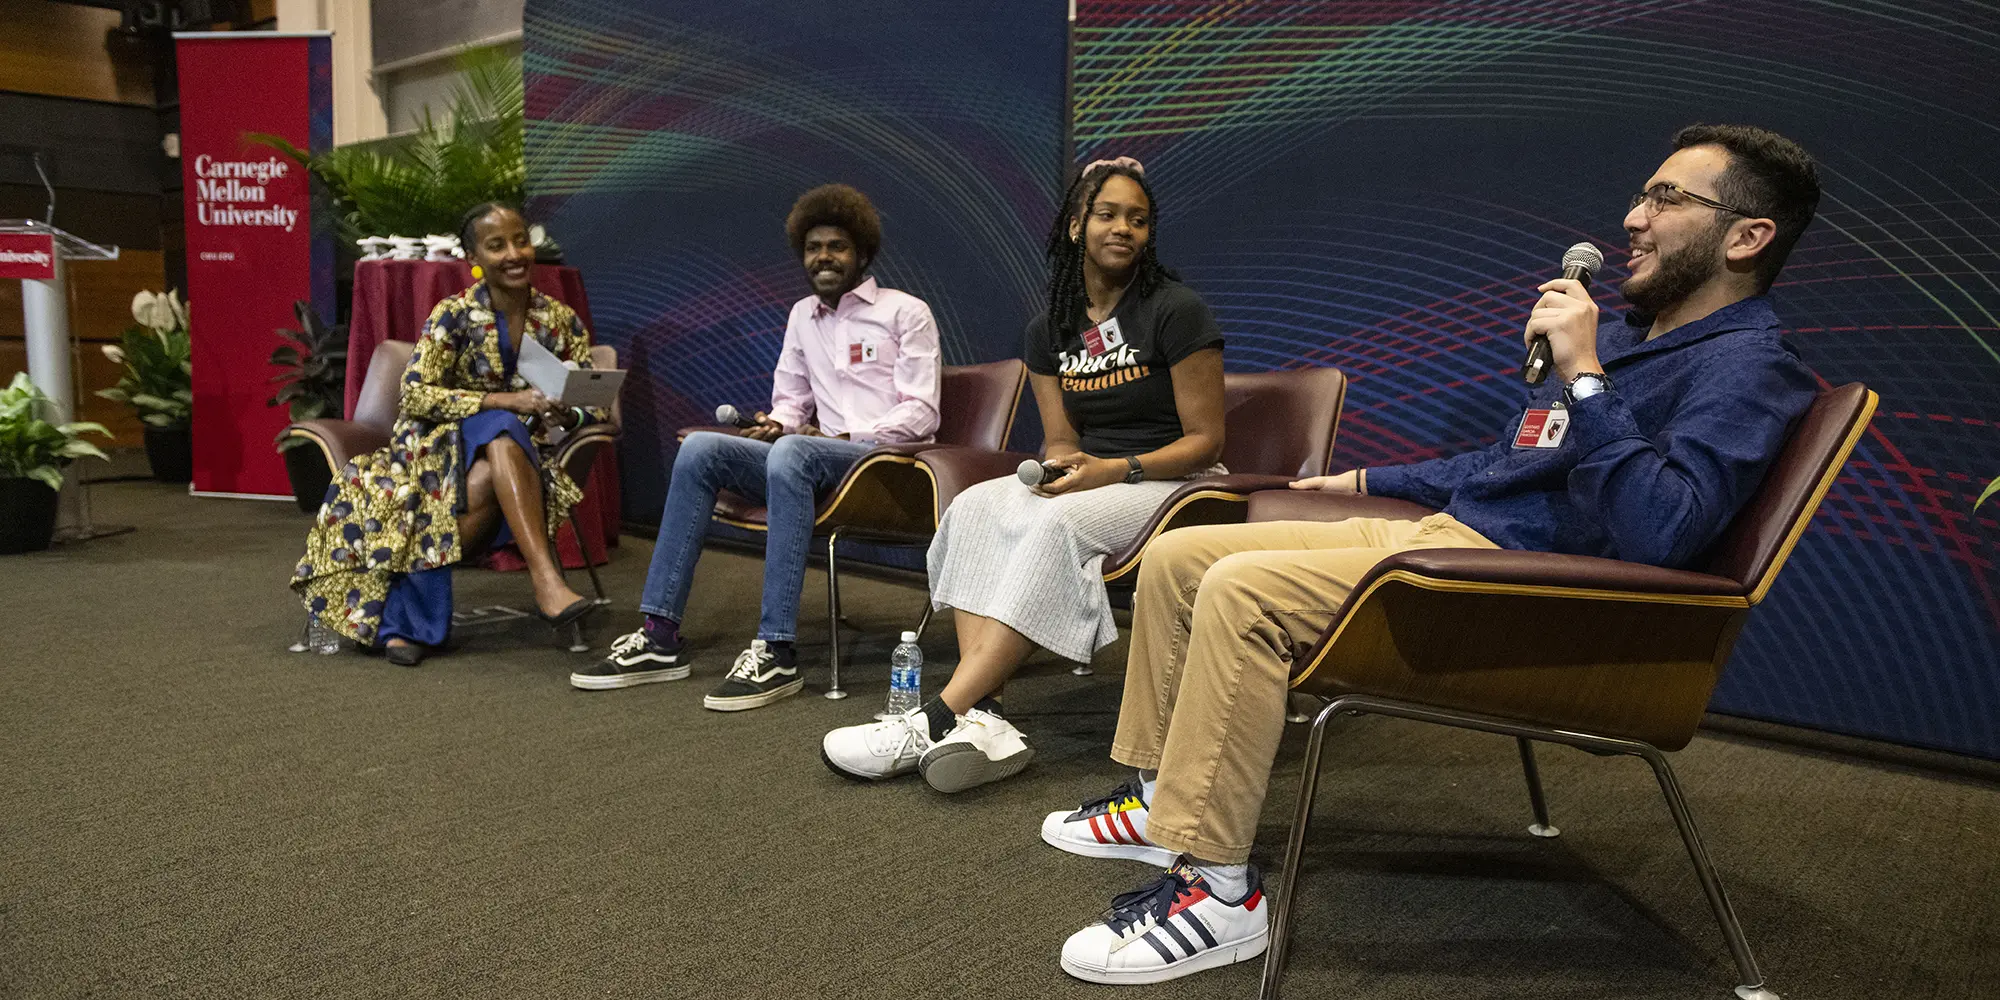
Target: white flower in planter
(162, 313)
(113, 352)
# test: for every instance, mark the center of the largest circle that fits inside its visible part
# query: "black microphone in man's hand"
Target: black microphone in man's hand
(727, 414)
(1033, 473)
(1578, 264)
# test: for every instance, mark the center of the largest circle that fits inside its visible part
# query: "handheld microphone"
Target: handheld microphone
(1034, 473)
(727, 414)
(1578, 263)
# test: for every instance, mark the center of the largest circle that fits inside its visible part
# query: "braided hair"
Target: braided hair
(1065, 253)
(470, 220)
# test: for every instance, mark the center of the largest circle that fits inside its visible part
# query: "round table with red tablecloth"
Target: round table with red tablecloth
(393, 298)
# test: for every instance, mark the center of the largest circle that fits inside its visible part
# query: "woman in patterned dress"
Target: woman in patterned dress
(464, 469)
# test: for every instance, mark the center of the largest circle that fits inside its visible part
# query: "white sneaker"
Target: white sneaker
(877, 750)
(984, 747)
(1169, 929)
(1113, 826)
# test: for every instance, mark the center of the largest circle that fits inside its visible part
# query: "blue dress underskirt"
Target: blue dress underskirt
(418, 606)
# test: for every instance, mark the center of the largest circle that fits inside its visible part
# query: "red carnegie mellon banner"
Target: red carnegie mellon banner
(253, 245)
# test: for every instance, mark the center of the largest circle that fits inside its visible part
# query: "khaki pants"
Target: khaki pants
(1219, 615)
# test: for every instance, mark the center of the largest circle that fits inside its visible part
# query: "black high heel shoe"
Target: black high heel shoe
(569, 615)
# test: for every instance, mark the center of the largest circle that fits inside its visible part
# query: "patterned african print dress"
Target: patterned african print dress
(392, 515)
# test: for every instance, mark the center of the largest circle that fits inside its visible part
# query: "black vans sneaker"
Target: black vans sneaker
(760, 677)
(634, 660)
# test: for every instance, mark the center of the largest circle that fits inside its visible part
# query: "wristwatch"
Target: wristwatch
(1586, 385)
(1137, 474)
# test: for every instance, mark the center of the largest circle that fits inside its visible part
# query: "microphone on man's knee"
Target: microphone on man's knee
(730, 415)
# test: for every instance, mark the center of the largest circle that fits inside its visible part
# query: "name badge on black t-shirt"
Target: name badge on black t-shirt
(1103, 337)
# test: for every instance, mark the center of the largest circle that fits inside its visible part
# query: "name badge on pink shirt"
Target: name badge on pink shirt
(862, 350)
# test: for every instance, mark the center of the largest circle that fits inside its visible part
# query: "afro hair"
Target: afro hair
(835, 205)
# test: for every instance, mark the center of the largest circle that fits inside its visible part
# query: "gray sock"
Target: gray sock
(1229, 883)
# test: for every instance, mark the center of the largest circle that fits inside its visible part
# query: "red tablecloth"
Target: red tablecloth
(392, 298)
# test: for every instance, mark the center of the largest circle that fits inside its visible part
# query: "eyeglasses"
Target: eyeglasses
(1659, 196)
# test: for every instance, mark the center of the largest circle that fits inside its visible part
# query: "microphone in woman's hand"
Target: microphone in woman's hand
(727, 414)
(1033, 473)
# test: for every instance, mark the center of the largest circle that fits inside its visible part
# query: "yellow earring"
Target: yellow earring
(478, 272)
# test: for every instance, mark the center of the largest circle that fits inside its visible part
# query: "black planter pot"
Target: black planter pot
(310, 475)
(27, 515)
(170, 450)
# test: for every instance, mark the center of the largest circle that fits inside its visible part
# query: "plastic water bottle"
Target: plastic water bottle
(906, 673)
(322, 640)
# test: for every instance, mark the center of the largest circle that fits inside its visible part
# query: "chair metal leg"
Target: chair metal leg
(576, 643)
(833, 691)
(925, 621)
(595, 583)
(1541, 827)
(305, 637)
(1295, 849)
(1752, 986)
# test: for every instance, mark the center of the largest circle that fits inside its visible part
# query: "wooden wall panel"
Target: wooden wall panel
(100, 308)
(65, 50)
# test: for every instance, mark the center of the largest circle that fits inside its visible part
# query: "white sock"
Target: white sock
(1229, 883)
(1147, 779)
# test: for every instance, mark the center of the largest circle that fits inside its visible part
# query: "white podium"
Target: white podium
(45, 312)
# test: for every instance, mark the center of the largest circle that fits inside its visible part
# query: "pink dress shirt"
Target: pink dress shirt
(869, 367)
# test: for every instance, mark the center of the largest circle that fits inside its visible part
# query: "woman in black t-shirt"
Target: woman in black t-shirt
(1126, 365)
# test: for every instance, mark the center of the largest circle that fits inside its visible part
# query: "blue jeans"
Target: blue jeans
(786, 476)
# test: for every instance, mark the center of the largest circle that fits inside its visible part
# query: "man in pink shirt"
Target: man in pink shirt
(859, 367)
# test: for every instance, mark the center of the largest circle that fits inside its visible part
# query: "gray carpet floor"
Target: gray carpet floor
(188, 810)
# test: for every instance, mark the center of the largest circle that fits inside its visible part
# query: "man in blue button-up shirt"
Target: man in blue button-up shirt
(1659, 427)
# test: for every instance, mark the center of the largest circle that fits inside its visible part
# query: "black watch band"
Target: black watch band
(1136, 474)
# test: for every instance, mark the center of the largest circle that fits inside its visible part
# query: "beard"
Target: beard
(1676, 273)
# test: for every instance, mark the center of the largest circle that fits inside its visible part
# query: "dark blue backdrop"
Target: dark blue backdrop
(1380, 186)
(667, 140)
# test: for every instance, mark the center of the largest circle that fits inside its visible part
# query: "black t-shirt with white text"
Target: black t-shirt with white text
(1116, 384)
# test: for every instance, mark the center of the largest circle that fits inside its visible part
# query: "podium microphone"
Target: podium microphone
(1034, 473)
(727, 414)
(1578, 263)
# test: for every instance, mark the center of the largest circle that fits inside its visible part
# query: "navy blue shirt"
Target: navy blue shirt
(1651, 471)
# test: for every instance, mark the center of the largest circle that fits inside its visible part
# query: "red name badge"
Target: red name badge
(1103, 337)
(1542, 428)
(1093, 342)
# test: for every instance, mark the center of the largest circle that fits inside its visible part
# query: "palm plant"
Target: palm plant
(474, 153)
(33, 448)
(315, 370)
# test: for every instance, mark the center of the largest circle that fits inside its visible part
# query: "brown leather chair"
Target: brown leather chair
(889, 496)
(1629, 672)
(380, 402)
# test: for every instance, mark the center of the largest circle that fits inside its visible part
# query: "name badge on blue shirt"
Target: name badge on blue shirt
(1543, 428)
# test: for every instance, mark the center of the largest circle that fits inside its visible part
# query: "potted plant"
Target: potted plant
(33, 453)
(418, 184)
(158, 368)
(312, 380)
